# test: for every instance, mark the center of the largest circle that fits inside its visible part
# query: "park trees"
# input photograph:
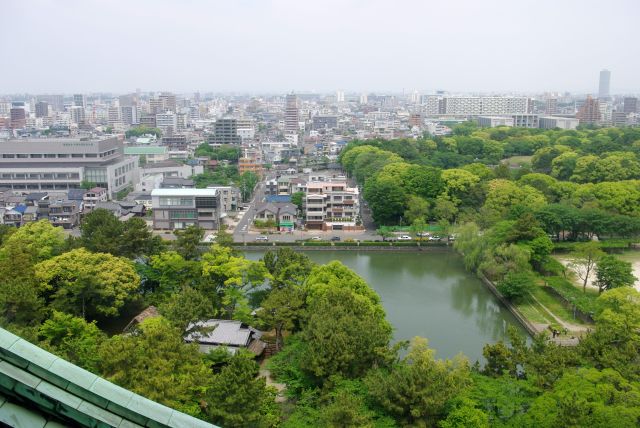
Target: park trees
(416, 389)
(344, 334)
(188, 241)
(157, 363)
(87, 284)
(387, 199)
(101, 232)
(237, 398)
(584, 259)
(612, 272)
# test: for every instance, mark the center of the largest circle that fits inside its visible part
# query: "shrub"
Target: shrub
(515, 285)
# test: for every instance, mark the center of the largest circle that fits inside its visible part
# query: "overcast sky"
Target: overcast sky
(323, 45)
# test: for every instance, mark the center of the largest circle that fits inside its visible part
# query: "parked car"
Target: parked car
(424, 234)
(315, 238)
(404, 238)
(452, 237)
(434, 238)
(209, 238)
(335, 238)
(262, 238)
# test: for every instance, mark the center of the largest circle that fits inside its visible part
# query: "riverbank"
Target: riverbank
(351, 247)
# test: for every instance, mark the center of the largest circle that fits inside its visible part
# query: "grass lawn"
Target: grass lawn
(552, 303)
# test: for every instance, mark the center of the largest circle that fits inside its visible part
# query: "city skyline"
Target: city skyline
(279, 46)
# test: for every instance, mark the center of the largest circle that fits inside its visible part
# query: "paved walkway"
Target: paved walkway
(280, 387)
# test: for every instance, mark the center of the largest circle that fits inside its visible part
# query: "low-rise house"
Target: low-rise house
(233, 335)
(30, 214)
(92, 196)
(10, 217)
(284, 214)
(64, 213)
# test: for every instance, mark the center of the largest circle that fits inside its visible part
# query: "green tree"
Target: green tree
(40, 239)
(248, 181)
(297, 199)
(287, 267)
(187, 306)
(445, 209)
(516, 285)
(238, 398)
(612, 272)
(88, 284)
(417, 209)
(584, 259)
(387, 200)
(416, 389)
(101, 232)
(344, 334)
(20, 300)
(232, 278)
(188, 241)
(73, 339)
(281, 310)
(137, 240)
(157, 364)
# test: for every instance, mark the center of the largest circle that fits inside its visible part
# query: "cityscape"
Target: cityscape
(284, 214)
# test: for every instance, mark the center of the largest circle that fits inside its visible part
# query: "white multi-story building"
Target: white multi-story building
(167, 122)
(552, 122)
(493, 121)
(330, 204)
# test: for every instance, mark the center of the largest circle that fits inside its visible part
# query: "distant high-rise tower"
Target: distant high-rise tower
(291, 118)
(340, 96)
(630, 105)
(590, 111)
(605, 80)
(364, 99)
(552, 106)
(79, 101)
(42, 109)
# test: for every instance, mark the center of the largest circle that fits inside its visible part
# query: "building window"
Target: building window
(190, 214)
(175, 201)
(206, 202)
(22, 156)
(8, 155)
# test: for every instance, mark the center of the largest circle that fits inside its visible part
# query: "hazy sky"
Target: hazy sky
(282, 45)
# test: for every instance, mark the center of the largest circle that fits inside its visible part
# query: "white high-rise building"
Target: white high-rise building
(364, 99)
(604, 86)
(340, 96)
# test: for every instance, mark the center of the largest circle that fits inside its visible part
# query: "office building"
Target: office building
(476, 106)
(167, 122)
(321, 123)
(79, 100)
(129, 115)
(603, 88)
(18, 117)
(590, 110)
(168, 101)
(63, 163)
(148, 120)
(630, 105)
(553, 122)
(291, 115)
(551, 106)
(180, 208)
(525, 120)
(225, 131)
(77, 114)
(42, 109)
(339, 96)
(114, 117)
(494, 121)
(55, 101)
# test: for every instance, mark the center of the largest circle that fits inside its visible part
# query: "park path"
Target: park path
(571, 327)
(280, 387)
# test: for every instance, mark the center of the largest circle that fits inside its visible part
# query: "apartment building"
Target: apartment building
(180, 208)
(493, 121)
(92, 196)
(46, 164)
(552, 122)
(330, 204)
(229, 197)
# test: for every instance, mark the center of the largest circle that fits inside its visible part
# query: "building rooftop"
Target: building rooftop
(184, 192)
(225, 332)
(146, 150)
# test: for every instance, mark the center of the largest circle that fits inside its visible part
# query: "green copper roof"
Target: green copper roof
(40, 390)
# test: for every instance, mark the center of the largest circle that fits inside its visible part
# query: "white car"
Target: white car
(424, 234)
(434, 238)
(262, 238)
(315, 238)
(404, 238)
(209, 238)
